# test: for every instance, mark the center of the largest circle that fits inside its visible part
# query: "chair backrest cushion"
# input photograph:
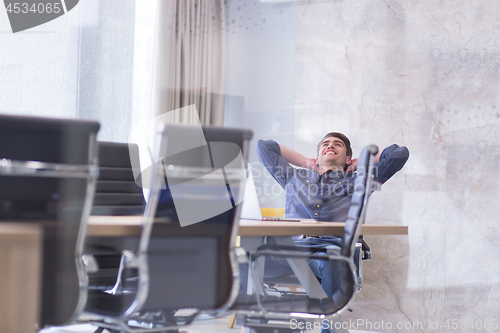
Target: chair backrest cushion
(117, 192)
(355, 219)
(362, 190)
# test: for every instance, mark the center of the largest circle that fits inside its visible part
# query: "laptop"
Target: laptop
(250, 209)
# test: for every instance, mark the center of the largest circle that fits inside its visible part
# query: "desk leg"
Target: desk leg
(250, 244)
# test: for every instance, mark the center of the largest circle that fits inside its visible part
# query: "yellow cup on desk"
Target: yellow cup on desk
(273, 212)
(268, 212)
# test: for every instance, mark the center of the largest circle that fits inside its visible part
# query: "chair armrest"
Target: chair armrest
(376, 186)
(90, 263)
(277, 247)
(326, 255)
(365, 250)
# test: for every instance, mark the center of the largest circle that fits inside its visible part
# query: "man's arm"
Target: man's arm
(354, 162)
(297, 159)
(391, 160)
(269, 153)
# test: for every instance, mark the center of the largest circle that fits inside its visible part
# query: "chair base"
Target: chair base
(106, 330)
(256, 327)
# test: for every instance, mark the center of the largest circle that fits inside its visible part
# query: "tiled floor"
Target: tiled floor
(213, 325)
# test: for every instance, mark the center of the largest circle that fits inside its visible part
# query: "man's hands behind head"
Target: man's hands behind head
(312, 164)
(353, 166)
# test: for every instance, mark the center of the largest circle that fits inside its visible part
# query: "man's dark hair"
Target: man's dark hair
(342, 137)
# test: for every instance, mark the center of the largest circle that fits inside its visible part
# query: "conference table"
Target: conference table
(251, 233)
(24, 243)
(129, 225)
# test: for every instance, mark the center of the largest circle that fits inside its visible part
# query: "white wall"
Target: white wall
(260, 79)
(420, 73)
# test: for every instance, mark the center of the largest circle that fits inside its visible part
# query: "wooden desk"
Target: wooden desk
(20, 267)
(113, 226)
(128, 226)
(276, 228)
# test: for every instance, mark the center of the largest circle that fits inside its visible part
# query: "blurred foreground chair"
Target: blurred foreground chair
(262, 306)
(184, 255)
(47, 176)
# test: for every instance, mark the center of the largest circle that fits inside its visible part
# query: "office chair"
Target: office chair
(184, 257)
(288, 283)
(262, 306)
(117, 193)
(47, 175)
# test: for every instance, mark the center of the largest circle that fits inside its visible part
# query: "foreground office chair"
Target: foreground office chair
(47, 176)
(263, 306)
(184, 255)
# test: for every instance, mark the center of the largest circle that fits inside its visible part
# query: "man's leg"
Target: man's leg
(329, 271)
(274, 267)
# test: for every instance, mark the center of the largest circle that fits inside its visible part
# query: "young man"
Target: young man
(322, 191)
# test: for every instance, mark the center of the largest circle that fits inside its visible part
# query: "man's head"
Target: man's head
(334, 151)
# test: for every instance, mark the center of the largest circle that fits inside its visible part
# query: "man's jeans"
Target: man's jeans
(330, 272)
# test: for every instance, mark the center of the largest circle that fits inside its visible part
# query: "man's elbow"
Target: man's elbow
(396, 161)
(403, 153)
(400, 155)
(261, 144)
(261, 147)
(267, 145)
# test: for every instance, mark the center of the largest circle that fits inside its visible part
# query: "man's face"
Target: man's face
(333, 152)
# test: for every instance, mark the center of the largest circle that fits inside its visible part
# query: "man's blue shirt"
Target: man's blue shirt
(323, 197)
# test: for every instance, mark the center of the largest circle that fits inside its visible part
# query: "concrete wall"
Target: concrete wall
(424, 74)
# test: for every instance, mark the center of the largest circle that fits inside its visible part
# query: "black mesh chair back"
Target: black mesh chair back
(355, 219)
(359, 200)
(47, 175)
(117, 192)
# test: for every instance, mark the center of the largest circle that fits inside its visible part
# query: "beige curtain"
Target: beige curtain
(189, 60)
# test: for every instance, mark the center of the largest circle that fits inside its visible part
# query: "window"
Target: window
(94, 62)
